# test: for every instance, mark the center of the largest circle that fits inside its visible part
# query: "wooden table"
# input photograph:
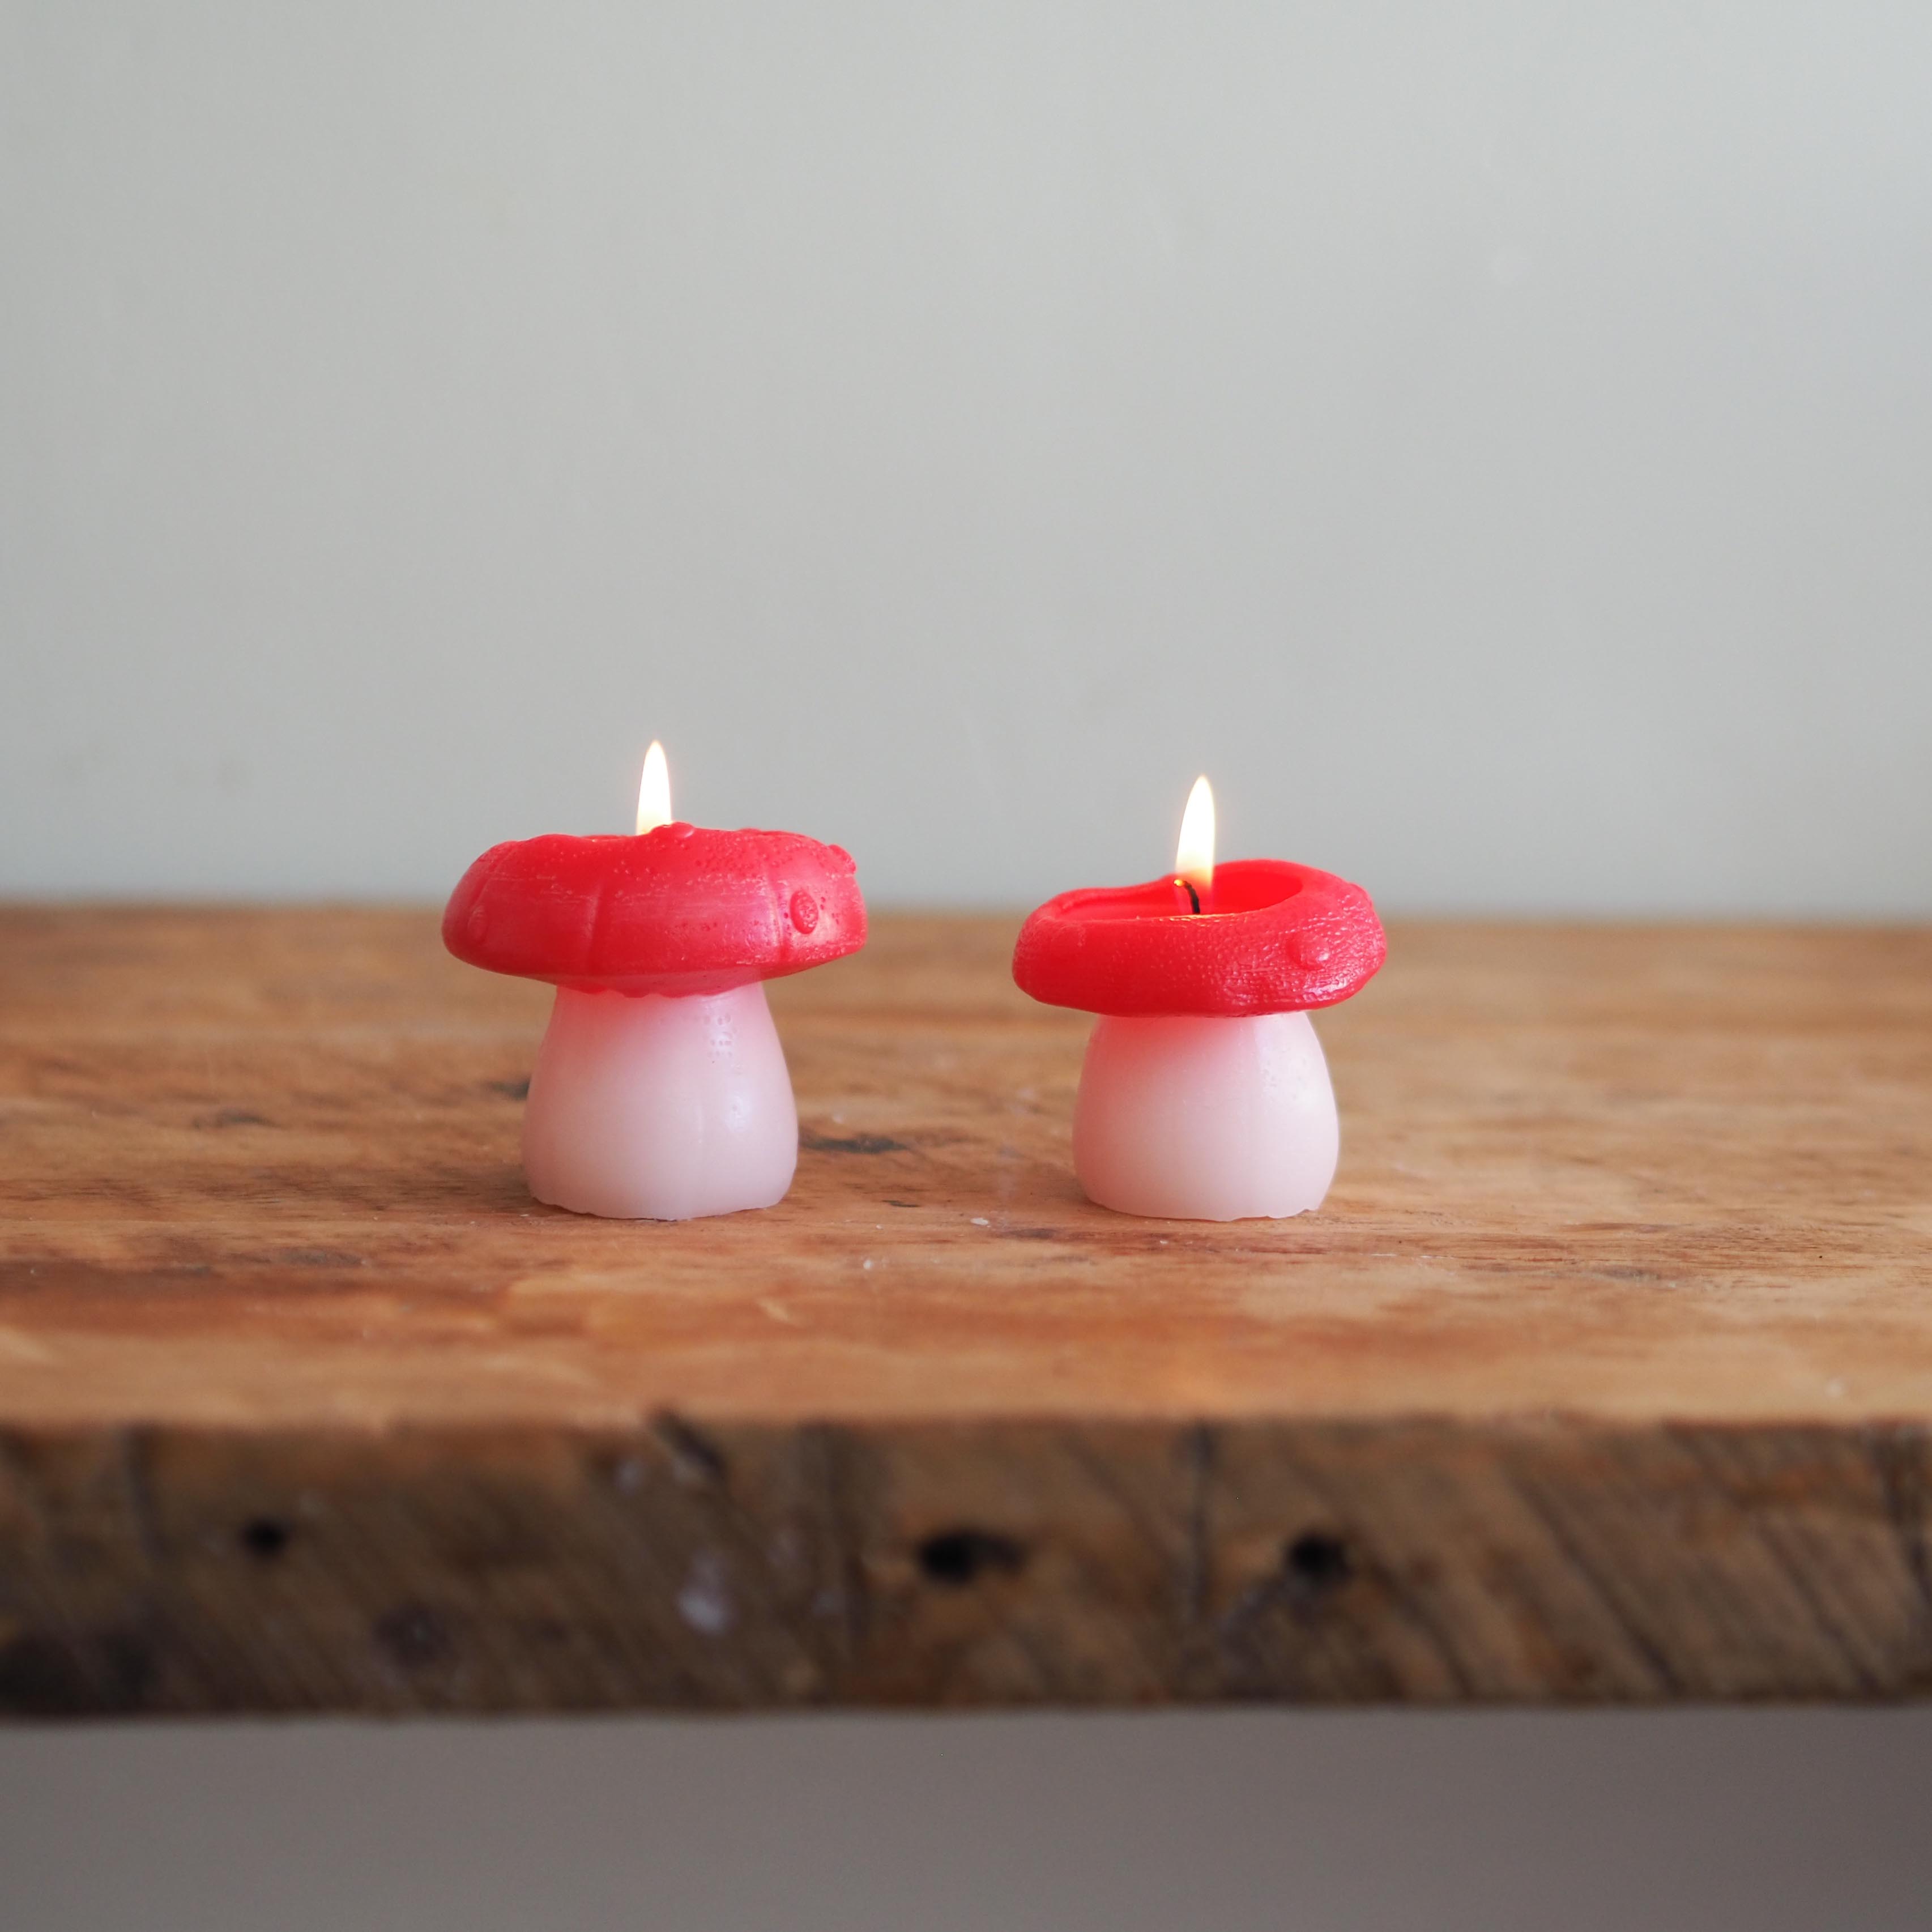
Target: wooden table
(1604, 1374)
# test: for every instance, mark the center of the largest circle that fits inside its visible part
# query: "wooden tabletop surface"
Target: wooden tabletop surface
(1605, 1371)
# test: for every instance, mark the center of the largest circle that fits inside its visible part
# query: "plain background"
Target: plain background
(1494, 440)
(1229, 1822)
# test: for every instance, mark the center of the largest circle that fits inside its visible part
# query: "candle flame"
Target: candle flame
(1194, 857)
(654, 794)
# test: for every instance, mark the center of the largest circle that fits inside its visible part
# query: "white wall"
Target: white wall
(1494, 438)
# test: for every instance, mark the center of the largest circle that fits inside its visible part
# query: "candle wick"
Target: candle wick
(1194, 897)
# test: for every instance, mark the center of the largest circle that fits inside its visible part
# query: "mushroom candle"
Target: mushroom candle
(660, 1090)
(1204, 1096)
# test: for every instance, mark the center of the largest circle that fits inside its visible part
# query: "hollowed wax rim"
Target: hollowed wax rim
(1271, 937)
(681, 909)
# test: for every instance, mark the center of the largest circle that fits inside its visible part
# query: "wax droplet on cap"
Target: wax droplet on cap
(804, 910)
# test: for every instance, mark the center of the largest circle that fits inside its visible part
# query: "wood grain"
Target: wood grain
(1605, 1373)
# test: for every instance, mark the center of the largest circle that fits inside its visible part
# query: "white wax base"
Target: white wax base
(1206, 1120)
(655, 1108)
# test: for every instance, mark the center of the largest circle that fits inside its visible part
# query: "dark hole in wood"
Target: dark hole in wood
(1318, 1562)
(264, 1538)
(510, 1090)
(958, 1557)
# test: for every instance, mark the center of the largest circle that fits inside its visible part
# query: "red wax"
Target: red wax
(1269, 937)
(681, 909)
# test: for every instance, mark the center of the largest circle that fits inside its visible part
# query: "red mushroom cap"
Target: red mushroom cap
(680, 909)
(1269, 937)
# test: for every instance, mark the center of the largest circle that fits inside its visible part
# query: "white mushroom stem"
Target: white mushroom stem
(646, 1107)
(1201, 1119)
